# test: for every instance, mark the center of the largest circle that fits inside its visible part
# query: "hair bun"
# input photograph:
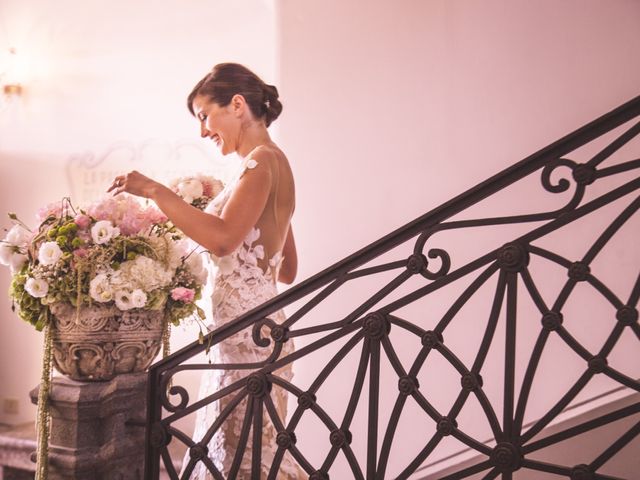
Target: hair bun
(271, 105)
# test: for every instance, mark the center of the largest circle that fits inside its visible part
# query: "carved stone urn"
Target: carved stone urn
(100, 342)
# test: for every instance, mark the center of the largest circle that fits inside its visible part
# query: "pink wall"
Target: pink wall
(392, 109)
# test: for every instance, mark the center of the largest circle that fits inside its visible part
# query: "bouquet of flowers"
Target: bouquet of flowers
(114, 252)
(197, 190)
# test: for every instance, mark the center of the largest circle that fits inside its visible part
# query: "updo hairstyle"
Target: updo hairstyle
(228, 79)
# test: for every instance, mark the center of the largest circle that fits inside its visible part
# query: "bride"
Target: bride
(247, 230)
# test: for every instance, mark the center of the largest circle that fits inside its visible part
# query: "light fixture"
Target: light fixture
(10, 77)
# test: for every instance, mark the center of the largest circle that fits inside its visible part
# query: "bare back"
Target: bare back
(275, 220)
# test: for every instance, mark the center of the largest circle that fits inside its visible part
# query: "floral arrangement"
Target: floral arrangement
(114, 252)
(197, 190)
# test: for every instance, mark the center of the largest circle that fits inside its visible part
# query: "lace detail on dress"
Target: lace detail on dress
(243, 280)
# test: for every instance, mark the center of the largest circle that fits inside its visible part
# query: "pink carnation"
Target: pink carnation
(54, 208)
(182, 294)
(156, 216)
(126, 213)
(82, 221)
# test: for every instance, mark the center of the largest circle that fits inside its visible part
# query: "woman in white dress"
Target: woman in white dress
(247, 230)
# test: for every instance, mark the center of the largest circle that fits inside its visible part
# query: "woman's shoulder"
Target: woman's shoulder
(268, 156)
(266, 153)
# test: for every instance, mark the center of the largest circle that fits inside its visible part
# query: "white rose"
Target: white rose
(36, 287)
(190, 189)
(6, 253)
(123, 300)
(18, 235)
(49, 253)
(103, 231)
(99, 289)
(17, 261)
(138, 298)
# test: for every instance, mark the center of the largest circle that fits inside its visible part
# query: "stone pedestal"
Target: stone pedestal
(95, 428)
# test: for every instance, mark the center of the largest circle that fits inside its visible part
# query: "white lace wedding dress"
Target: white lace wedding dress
(244, 279)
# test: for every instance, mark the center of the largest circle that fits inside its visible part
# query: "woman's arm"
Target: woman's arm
(289, 267)
(219, 234)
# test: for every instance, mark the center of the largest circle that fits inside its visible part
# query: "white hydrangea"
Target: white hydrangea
(100, 289)
(103, 231)
(143, 273)
(36, 287)
(49, 253)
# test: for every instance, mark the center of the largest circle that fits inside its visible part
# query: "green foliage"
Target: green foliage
(69, 280)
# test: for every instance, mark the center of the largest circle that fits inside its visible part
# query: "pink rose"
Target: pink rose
(80, 252)
(182, 294)
(82, 221)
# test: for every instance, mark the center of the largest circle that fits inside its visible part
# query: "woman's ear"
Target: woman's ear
(238, 104)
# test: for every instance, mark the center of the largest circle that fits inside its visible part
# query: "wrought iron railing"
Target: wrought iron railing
(377, 342)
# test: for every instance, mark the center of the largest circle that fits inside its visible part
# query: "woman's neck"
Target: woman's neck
(252, 135)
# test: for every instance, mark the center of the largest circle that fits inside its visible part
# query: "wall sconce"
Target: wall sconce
(10, 77)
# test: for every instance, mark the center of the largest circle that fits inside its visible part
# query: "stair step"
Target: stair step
(18, 443)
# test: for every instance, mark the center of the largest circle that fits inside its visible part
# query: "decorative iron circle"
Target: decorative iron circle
(627, 315)
(286, 439)
(417, 263)
(258, 385)
(578, 271)
(584, 174)
(198, 451)
(471, 381)
(159, 436)
(319, 475)
(506, 457)
(446, 426)
(407, 385)
(581, 472)
(431, 339)
(376, 325)
(340, 437)
(552, 320)
(307, 400)
(280, 333)
(597, 364)
(513, 257)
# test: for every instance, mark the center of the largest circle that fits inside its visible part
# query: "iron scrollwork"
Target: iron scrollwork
(371, 329)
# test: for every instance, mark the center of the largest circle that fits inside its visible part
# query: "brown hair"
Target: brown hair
(228, 79)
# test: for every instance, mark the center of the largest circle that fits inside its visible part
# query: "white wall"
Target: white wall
(104, 92)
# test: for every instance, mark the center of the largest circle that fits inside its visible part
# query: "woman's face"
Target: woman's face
(221, 124)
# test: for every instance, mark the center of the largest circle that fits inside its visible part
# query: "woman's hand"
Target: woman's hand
(134, 183)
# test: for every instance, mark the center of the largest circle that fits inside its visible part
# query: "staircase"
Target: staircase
(480, 327)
